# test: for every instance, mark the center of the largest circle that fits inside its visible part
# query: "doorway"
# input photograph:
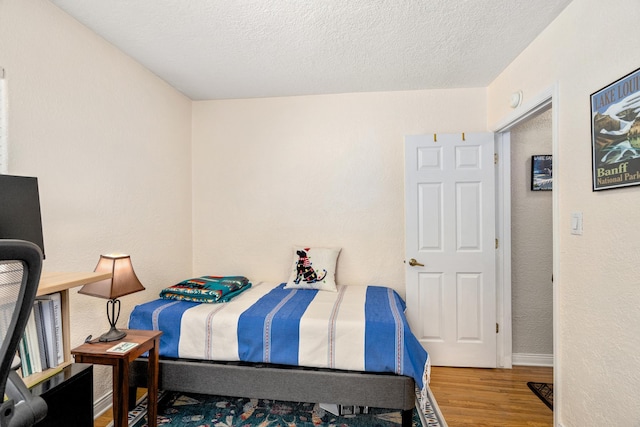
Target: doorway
(545, 100)
(531, 243)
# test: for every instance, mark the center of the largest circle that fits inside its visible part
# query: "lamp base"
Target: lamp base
(113, 335)
(113, 312)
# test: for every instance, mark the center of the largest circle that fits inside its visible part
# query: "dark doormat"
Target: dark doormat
(544, 391)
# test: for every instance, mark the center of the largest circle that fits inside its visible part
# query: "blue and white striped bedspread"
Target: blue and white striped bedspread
(361, 328)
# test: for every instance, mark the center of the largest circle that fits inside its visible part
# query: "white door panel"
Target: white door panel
(450, 228)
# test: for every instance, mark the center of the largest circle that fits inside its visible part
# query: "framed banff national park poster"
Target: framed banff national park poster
(615, 133)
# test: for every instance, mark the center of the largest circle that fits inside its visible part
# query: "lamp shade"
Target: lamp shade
(123, 279)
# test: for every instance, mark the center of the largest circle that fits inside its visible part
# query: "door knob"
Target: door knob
(413, 263)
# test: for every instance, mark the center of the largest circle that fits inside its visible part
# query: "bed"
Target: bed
(349, 347)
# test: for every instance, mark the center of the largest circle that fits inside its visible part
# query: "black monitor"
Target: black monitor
(20, 209)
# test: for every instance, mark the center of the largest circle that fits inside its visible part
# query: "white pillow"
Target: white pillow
(313, 268)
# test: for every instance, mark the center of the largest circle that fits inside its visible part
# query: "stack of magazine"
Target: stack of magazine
(41, 347)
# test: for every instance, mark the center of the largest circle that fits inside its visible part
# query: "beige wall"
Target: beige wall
(531, 243)
(315, 170)
(598, 287)
(109, 143)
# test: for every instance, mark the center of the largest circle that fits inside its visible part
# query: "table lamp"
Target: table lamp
(123, 281)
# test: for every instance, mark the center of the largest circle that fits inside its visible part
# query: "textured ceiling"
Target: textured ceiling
(220, 49)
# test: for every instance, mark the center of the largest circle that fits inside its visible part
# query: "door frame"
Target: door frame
(502, 129)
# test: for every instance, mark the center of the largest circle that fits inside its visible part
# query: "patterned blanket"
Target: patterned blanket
(361, 328)
(209, 289)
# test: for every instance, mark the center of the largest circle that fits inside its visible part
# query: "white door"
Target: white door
(450, 229)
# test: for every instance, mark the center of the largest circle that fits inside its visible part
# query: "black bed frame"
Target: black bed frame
(277, 382)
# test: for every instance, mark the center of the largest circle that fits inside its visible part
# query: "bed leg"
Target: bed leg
(407, 417)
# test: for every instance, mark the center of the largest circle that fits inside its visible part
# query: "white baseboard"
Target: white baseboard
(528, 359)
(102, 405)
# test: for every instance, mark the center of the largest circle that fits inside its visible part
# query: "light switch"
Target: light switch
(576, 223)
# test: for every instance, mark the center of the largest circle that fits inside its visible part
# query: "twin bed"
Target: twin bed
(350, 347)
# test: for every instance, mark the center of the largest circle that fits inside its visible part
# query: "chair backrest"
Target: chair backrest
(20, 268)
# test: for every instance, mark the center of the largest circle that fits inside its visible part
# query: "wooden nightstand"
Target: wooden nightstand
(97, 353)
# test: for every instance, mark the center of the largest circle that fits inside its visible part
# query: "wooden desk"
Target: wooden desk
(96, 352)
(51, 282)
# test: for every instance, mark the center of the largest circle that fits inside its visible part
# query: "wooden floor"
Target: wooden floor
(491, 397)
(103, 419)
(480, 397)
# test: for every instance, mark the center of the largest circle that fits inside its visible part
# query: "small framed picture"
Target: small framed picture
(541, 172)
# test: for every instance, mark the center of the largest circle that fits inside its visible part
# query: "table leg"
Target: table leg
(152, 385)
(120, 393)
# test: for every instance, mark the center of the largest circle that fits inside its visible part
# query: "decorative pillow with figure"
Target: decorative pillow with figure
(313, 268)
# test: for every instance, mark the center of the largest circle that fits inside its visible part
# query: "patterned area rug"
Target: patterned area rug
(544, 391)
(198, 410)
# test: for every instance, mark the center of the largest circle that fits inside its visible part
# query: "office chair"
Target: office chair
(20, 267)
